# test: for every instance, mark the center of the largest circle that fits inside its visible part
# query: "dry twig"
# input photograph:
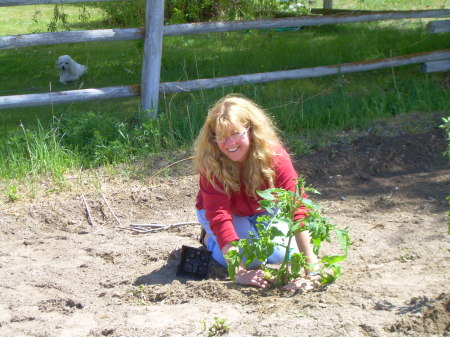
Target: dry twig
(110, 209)
(149, 228)
(90, 219)
(170, 165)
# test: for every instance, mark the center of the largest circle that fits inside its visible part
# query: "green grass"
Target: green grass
(36, 18)
(310, 112)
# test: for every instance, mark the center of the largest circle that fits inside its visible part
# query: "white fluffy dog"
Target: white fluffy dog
(69, 70)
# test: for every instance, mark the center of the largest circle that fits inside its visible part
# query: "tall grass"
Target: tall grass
(32, 159)
(36, 152)
(50, 140)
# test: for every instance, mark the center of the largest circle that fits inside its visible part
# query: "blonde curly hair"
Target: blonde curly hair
(222, 119)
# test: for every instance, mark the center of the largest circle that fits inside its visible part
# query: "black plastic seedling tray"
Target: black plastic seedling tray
(194, 263)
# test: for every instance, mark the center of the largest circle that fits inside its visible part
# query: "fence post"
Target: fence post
(151, 67)
(327, 4)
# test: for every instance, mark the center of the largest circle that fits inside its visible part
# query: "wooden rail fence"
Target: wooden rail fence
(155, 30)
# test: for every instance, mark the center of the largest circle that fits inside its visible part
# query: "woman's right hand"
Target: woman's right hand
(251, 277)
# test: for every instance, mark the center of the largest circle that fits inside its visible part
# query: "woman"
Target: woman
(238, 153)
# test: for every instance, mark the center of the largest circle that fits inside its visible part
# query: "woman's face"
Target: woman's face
(236, 145)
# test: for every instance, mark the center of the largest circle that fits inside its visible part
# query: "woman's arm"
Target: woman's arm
(303, 240)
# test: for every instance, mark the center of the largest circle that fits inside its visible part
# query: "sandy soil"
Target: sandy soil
(61, 276)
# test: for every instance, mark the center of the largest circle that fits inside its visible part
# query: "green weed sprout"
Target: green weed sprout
(218, 328)
(260, 246)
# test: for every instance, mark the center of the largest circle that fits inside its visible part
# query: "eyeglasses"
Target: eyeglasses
(234, 137)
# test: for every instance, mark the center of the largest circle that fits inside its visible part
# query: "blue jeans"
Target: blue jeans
(243, 225)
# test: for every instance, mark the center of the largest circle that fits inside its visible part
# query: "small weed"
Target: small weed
(139, 293)
(302, 314)
(407, 254)
(217, 328)
(12, 194)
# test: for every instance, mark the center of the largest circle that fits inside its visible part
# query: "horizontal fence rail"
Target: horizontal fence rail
(73, 36)
(227, 26)
(433, 66)
(28, 40)
(44, 2)
(69, 96)
(16, 101)
(344, 68)
(435, 27)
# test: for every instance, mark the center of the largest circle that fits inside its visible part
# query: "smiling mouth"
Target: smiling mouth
(234, 149)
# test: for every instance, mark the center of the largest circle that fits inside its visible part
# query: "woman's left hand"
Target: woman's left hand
(304, 283)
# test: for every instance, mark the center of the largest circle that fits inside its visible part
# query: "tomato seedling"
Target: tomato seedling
(281, 206)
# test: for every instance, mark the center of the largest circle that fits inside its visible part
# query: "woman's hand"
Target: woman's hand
(252, 277)
(304, 283)
(247, 277)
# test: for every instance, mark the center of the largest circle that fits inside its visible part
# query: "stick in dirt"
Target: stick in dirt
(110, 209)
(90, 219)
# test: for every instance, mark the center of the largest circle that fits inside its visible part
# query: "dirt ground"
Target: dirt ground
(62, 276)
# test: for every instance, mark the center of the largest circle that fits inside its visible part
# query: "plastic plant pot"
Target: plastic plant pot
(194, 263)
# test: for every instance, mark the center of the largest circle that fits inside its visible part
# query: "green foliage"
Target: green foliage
(124, 13)
(102, 139)
(183, 11)
(312, 113)
(260, 246)
(446, 127)
(152, 135)
(256, 248)
(60, 20)
(58, 16)
(12, 193)
(34, 152)
(82, 139)
(99, 139)
(217, 328)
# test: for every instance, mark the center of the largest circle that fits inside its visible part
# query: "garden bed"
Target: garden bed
(61, 276)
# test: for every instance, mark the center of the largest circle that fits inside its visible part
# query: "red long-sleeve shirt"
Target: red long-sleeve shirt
(219, 206)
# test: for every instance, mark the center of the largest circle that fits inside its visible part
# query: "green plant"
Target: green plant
(261, 245)
(446, 127)
(217, 328)
(99, 139)
(12, 193)
(291, 7)
(182, 11)
(140, 293)
(34, 152)
(58, 16)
